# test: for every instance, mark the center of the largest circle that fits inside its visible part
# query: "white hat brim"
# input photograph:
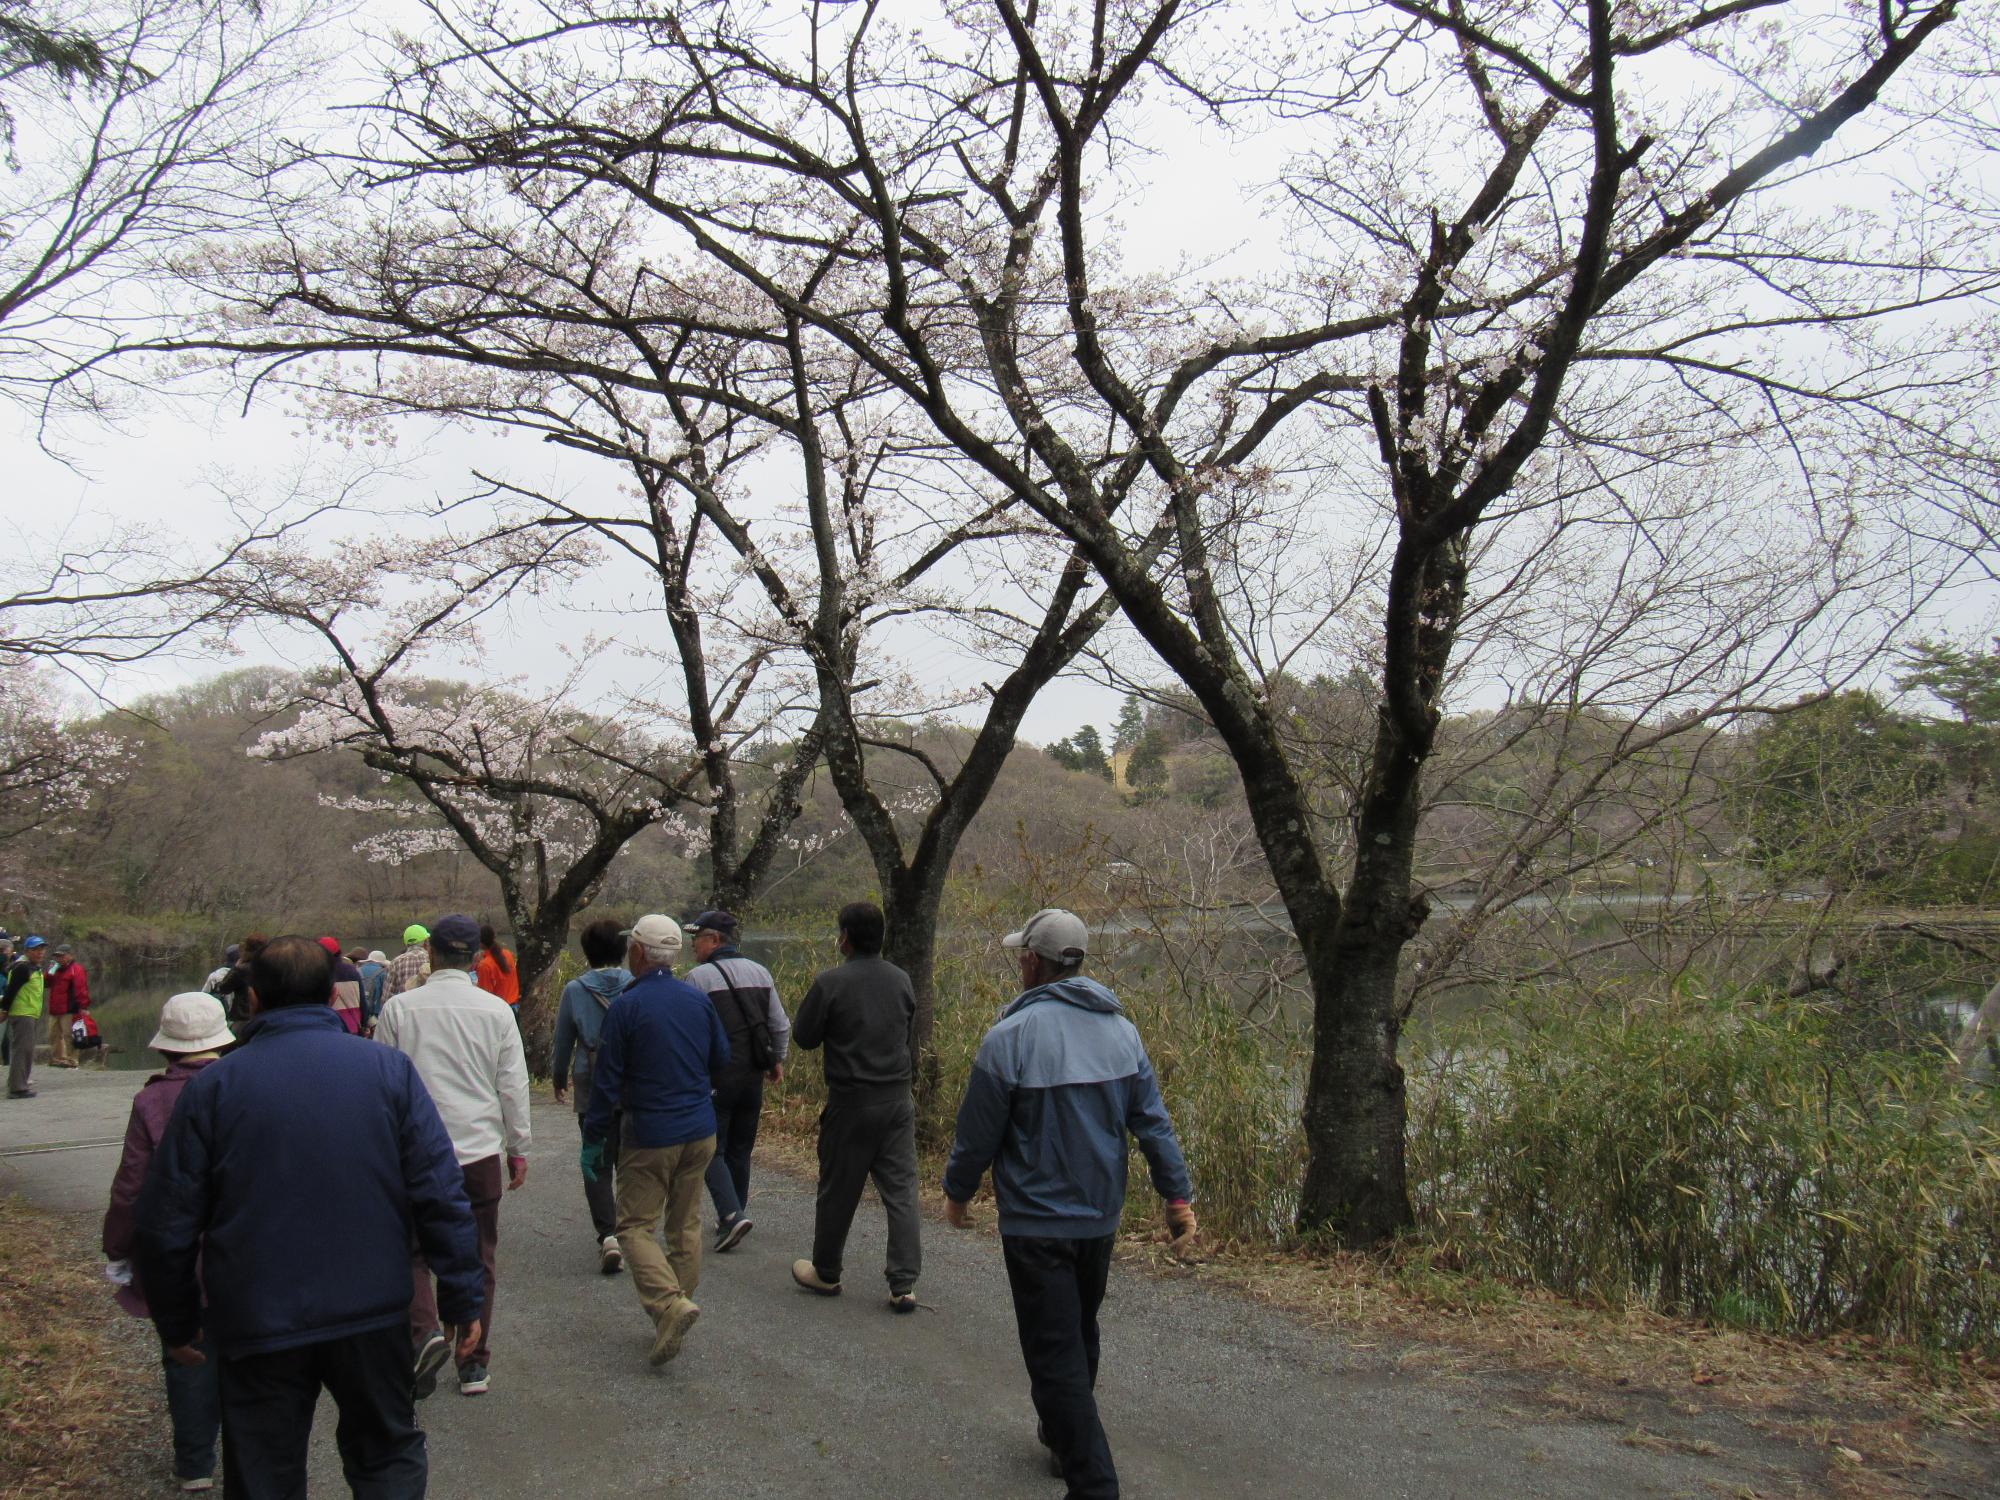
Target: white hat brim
(161, 1042)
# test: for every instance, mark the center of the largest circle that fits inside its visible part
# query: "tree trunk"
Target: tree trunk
(910, 909)
(538, 949)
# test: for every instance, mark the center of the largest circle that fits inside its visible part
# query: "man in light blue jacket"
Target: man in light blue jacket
(579, 1024)
(1059, 1082)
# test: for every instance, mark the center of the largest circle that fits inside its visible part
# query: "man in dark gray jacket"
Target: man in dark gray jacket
(864, 1013)
(1058, 1084)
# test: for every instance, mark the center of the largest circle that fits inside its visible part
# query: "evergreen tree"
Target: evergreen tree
(1131, 724)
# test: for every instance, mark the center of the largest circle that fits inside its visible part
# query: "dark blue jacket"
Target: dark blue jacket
(299, 1169)
(1058, 1082)
(657, 1056)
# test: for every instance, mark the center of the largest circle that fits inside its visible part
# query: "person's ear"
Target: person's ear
(256, 1005)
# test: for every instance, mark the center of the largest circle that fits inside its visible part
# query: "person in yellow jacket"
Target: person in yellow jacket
(23, 1003)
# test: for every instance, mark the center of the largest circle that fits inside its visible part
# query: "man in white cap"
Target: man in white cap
(660, 1048)
(1058, 1083)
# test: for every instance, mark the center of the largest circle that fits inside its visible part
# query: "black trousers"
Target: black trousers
(267, 1414)
(739, 1105)
(858, 1142)
(1058, 1287)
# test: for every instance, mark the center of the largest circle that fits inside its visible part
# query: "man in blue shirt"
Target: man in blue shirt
(1060, 1083)
(657, 1056)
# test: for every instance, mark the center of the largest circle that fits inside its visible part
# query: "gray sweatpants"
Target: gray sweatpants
(857, 1142)
(22, 1033)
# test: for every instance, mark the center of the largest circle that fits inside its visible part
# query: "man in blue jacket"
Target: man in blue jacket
(1058, 1082)
(297, 1171)
(657, 1056)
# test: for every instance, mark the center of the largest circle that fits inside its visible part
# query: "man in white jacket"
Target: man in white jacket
(467, 1049)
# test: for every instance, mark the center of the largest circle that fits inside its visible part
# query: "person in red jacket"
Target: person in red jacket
(68, 997)
(499, 973)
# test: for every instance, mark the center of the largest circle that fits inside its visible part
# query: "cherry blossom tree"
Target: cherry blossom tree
(133, 132)
(1530, 252)
(542, 795)
(497, 308)
(50, 766)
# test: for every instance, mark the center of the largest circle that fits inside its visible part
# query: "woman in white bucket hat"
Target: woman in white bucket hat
(194, 1029)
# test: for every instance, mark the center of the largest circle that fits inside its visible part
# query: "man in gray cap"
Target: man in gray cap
(467, 1049)
(1058, 1082)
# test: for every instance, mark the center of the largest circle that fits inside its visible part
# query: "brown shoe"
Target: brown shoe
(807, 1276)
(680, 1317)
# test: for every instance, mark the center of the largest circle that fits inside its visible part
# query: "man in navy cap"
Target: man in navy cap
(746, 997)
(467, 1050)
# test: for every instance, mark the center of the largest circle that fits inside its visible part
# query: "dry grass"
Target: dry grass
(81, 1406)
(1875, 1415)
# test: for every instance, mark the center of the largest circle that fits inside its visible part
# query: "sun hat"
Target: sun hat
(655, 933)
(714, 921)
(416, 932)
(1054, 933)
(193, 1022)
(377, 956)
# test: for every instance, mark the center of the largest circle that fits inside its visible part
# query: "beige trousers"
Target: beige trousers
(653, 1181)
(59, 1053)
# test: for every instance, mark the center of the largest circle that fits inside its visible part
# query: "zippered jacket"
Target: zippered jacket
(468, 1052)
(657, 1059)
(152, 1109)
(68, 991)
(300, 1169)
(25, 986)
(1059, 1082)
(759, 998)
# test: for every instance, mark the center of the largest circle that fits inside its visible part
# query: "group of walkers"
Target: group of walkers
(365, 979)
(42, 980)
(278, 1256)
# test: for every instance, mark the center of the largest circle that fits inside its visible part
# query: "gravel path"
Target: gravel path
(782, 1393)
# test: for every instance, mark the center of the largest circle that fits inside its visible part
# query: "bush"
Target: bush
(1714, 1163)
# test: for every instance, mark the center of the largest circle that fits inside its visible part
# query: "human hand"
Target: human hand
(591, 1160)
(1180, 1220)
(956, 1215)
(517, 1171)
(562, 1093)
(468, 1340)
(777, 1073)
(187, 1354)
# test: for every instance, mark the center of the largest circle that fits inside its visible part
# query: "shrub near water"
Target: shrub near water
(1715, 1163)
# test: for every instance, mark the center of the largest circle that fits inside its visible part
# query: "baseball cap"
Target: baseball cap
(1053, 933)
(455, 934)
(656, 932)
(416, 932)
(61, 948)
(34, 942)
(331, 944)
(714, 921)
(193, 1022)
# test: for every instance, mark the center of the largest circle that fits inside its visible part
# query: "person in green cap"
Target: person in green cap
(412, 966)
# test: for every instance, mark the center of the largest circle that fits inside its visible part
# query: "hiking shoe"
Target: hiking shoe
(903, 1302)
(473, 1380)
(430, 1359)
(610, 1259)
(807, 1275)
(681, 1316)
(22, 1093)
(729, 1236)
